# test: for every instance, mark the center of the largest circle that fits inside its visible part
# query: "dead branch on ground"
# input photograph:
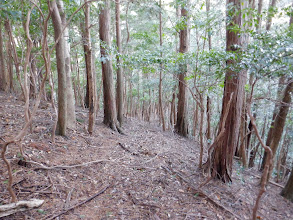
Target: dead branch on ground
(50, 217)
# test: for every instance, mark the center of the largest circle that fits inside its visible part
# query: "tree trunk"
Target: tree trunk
(287, 192)
(161, 68)
(62, 99)
(89, 68)
(71, 118)
(259, 10)
(3, 78)
(181, 126)
(281, 119)
(272, 126)
(270, 14)
(110, 117)
(224, 148)
(119, 89)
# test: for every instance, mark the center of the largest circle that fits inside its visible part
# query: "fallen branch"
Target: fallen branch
(127, 150)
(78, 204)
(271, 182)
(199, 192)
(43, 167)
(9, 209)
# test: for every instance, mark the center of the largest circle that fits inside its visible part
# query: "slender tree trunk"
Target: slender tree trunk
(161, 68)
(3, 78)
(71, 118)
(110, 117)
(208, 4)
(259, 10)
(280, 120)
(62, 99)
(119, 89)
(181, 126)
(224, 148)
(89, 68)
(270, 14)
(275, 112)
(9, 63)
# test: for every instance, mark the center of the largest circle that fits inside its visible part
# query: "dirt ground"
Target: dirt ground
(145, 174)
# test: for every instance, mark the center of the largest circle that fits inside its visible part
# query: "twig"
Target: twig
(127, 150)
(79, 204)
(43, 167)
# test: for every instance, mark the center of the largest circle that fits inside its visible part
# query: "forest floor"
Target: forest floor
(147, 173)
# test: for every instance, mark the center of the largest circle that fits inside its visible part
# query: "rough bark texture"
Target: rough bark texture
(119, 89)
(222, 156)
(110, 117)
(281, 119)
(181, 126)
(89, 69)
(287, 192)
(71, 118)
(3, 78)
(62, 100)
(275, 112)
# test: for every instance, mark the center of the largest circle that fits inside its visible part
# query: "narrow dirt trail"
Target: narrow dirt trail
(144, 169)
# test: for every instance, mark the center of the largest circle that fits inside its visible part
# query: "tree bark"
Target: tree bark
(119, 89)
(280, 120)
(110, 117)
(270, 14)
(71, 118)
(287, 192)
(222, 156)
(3, 78)
(89, 68)
(259, 10)
(60, 58)
(275, 112)
(181, 126)
(161, 68)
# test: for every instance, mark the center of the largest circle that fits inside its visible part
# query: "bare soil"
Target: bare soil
(150, 174)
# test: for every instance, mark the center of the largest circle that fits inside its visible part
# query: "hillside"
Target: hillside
(147, 173)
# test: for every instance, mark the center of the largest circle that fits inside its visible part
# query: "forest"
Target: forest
(146, 109)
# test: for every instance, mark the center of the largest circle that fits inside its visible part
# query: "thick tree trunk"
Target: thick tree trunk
(62, 99)
(222, 156)
(110, 117)
(71, 118)
(287, 192)
(119, 89)
(181, 126)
